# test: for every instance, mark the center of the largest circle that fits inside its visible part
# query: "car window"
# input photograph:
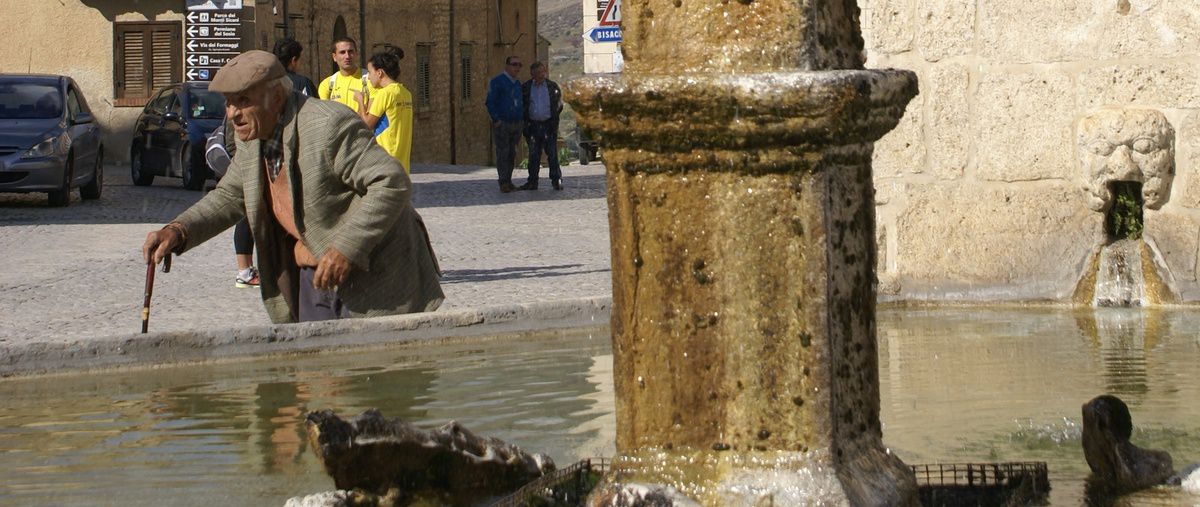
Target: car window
(30, 100)
(205, 104)
(72, 104)
(160, 102)
(83, 106)
(176, 104)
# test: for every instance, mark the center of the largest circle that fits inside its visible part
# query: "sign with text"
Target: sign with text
(212, 36)
(604, 34)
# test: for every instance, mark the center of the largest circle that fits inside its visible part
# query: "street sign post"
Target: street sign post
(609, 27)
(604, 34)
(612, 14)
(211, 38)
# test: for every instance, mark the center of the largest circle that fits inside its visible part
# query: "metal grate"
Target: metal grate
(982, 484)
(568, 486)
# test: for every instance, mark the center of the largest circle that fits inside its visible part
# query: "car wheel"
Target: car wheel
(137, 169)
(193, 173)
(92, 189)
(62, 197)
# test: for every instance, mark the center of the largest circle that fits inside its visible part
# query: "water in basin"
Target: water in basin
(957, 385)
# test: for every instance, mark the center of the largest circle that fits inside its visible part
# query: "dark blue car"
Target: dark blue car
(170, 134)
(49, 140)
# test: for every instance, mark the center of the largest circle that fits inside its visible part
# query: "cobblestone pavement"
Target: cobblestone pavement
(76, 272)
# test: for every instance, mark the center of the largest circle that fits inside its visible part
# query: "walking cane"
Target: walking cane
(150, 290)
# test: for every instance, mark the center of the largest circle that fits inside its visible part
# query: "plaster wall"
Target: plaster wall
(980, 189)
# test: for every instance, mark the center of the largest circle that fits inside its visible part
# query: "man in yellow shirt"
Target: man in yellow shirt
(390, 111)
(349, 84)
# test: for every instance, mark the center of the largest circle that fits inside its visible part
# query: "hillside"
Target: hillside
(561, 21)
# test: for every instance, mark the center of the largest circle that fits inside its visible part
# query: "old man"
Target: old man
(330, 211)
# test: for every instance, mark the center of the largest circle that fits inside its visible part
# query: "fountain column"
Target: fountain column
(738, 145)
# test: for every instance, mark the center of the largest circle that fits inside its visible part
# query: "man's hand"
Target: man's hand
(332, 270)
(161, 242)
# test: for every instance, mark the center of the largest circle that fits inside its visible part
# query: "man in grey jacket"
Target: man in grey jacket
(329, 209)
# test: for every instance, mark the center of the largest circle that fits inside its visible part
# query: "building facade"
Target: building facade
(120, 52)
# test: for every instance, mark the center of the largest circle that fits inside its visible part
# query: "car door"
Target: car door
(173, 132)
(149, 123)
(84, 134)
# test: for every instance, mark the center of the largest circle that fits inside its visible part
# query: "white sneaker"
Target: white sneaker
(246, 278)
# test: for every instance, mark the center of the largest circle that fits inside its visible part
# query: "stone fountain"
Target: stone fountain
(738, 144)
(1128, 160)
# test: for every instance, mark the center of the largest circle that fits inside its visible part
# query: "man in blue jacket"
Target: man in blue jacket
(506, 106)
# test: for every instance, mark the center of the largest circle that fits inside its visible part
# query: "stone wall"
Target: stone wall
(980, 192)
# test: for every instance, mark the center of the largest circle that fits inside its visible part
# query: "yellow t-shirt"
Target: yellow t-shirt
(394, 107)
(339, 88)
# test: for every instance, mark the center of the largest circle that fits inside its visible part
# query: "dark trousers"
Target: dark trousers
(543, 137)
(316, 304)
(243, 241)
(505, 137)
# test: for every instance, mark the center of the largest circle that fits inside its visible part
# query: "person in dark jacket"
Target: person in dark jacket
(504, 105)
(543, 104)
(288, 51)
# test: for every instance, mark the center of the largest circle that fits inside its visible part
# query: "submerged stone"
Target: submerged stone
(399, 464)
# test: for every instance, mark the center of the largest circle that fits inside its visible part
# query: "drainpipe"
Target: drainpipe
(499, 24)
(362, 33)
(287, 28)
(452, 102)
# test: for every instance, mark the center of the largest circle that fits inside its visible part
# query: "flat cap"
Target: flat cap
(246, 70)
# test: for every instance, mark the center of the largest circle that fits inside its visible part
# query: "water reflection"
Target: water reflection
(1121, 338)
(1008, 384)
(957, 385)
(232, 434)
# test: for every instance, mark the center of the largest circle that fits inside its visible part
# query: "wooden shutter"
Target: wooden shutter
(466, 58)
(423, 78)
(147, 57)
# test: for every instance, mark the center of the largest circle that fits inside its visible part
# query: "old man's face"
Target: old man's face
(255, 111)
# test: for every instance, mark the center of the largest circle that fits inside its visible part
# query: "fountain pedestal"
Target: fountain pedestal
(741, 210)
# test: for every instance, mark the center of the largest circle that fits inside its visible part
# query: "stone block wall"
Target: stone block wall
(980, 191)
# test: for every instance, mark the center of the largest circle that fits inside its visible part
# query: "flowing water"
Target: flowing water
(957, 385)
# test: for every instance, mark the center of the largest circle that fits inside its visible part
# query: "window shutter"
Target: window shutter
(147, 57)
(464, 53)
(422, 101)
(132, 78)
(162, 56)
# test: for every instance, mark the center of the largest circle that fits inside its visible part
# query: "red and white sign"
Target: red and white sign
(612, 14)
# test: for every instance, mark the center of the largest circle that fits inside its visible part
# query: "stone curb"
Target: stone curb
(154, 349)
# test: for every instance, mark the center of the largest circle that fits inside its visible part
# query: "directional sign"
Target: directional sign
(604, 34)
(612, 14)
(211, 38)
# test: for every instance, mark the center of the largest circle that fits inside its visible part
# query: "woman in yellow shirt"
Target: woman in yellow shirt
(390, 110)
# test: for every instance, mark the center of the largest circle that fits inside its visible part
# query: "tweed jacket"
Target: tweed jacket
(347, 193)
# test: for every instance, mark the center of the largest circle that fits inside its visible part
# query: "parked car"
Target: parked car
(170, 134)
(49, 140)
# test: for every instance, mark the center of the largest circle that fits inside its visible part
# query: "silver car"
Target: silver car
(49, 140)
